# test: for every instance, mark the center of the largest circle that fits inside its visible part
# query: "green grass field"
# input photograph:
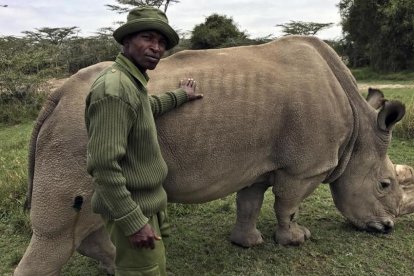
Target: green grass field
(199, 244)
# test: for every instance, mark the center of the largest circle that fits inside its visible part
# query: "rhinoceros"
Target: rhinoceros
(286, 115)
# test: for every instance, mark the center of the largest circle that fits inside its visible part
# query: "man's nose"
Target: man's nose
(155, 45)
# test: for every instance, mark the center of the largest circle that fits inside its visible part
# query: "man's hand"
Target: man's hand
(189, 86)
(144, 238)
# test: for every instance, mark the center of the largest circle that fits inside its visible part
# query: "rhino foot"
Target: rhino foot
(246, 238)
(294, 234)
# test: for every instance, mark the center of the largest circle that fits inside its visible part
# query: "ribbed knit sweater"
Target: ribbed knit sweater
(124, 157)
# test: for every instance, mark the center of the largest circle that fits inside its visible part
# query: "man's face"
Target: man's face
(145, 49)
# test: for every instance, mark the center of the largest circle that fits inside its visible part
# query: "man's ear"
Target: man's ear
(125, 42)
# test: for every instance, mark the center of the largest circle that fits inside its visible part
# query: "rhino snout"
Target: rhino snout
(385, 226)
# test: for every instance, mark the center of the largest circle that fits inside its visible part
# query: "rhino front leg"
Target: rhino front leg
(289, 193)
(288, 231)
(249, 202)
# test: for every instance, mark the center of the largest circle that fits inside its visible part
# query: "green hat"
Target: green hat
(144, 19)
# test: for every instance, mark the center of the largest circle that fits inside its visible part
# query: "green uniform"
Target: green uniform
(124, 157)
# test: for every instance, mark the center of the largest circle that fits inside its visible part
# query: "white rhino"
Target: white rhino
(286, 114)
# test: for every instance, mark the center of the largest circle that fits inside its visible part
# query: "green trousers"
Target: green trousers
(131, 261)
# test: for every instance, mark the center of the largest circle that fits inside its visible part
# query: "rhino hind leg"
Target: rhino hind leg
(45, 256)
(99, 247)
(249, 203)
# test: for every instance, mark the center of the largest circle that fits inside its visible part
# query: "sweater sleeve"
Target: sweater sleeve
(168, 101)
(110, 120)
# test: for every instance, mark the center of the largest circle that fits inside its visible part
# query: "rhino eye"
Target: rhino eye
(384, 184)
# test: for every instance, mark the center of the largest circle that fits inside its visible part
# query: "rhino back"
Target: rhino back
(268, 107)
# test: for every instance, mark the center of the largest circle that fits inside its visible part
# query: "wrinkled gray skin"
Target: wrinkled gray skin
(285, 115)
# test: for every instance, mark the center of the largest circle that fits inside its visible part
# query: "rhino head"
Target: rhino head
(369, 193)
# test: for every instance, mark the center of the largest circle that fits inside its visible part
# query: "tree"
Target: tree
(126, 5)
(303, 28)
(359, 24)
(53, 35)
(395, 48)
(22, 73)
(379, 33)
(54, 40)
(217, 31)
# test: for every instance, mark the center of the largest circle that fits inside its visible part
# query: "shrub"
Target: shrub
(218, 31)
(21, 103)
(24, 67)
(15, 111)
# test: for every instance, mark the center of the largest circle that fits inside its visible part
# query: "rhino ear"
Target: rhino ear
(390, 114)
(375, 98)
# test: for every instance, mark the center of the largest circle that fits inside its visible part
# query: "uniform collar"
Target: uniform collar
(124, 62)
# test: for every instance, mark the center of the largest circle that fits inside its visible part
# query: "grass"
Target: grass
(13, 178)
(368, 75)
(199, 244)
(14, 225)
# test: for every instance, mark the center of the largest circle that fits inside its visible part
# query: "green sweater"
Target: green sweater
(124, 157)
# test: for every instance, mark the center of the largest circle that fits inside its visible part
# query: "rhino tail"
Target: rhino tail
(47, 109)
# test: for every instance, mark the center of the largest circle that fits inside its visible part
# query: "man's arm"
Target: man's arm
(170, 100)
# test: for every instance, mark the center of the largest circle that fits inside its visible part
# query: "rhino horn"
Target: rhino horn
(375, 98)
(405, 176)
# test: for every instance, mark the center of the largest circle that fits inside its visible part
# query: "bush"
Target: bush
(218, 31)
(15, 111)
(24, 66)
(83, 52)
(21, 99)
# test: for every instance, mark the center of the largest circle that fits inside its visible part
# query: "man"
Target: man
(124, 156)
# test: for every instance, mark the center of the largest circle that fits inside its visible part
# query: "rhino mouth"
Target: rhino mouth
(384, 227)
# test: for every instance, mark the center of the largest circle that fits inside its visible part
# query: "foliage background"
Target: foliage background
(378, 33)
